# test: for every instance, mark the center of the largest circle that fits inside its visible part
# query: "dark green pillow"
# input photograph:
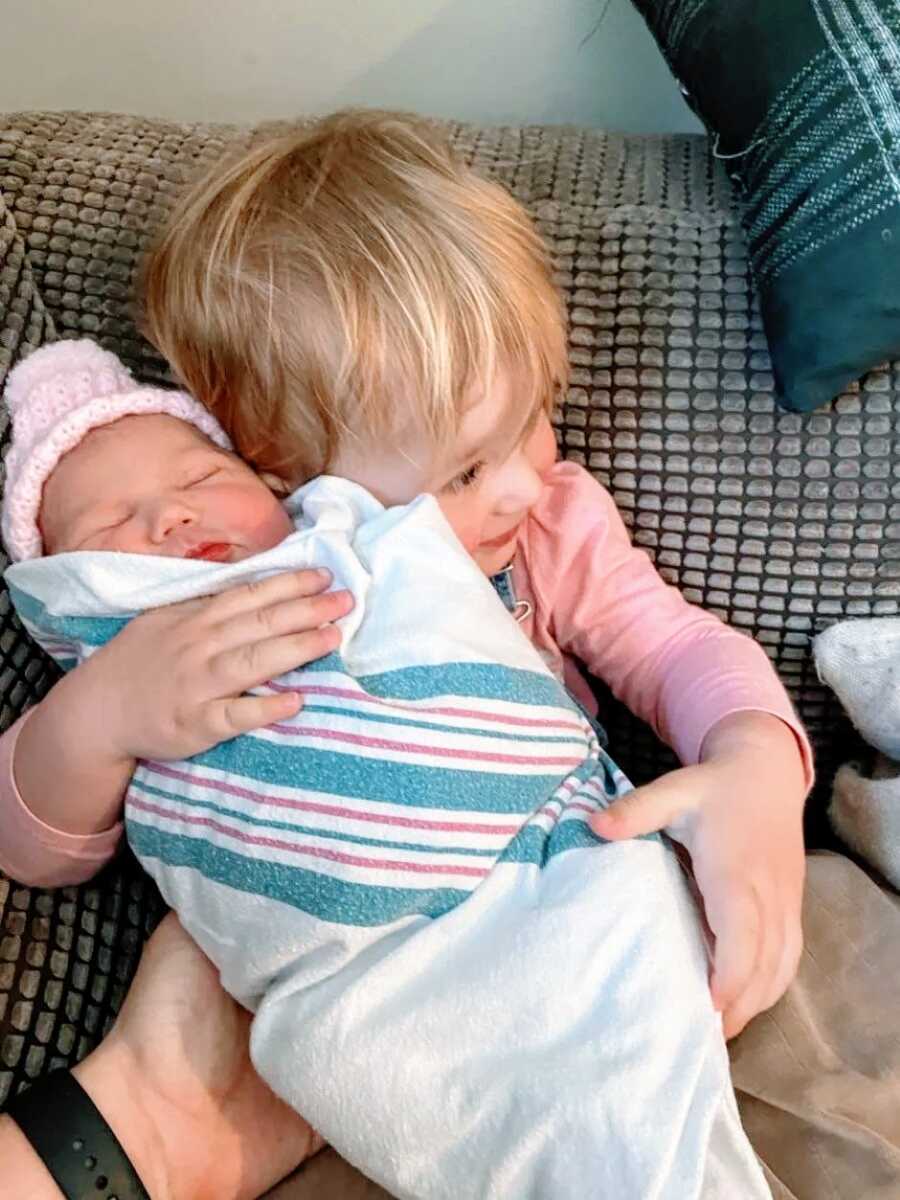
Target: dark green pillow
(802, 98)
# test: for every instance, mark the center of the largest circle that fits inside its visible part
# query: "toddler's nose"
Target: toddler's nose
(523, 488)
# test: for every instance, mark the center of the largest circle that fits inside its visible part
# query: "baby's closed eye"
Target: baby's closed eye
(105, 524)
(202, 477)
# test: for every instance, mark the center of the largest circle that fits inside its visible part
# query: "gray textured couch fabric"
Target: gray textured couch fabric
(778, 522)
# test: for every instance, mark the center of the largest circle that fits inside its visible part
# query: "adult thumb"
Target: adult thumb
(646, 809)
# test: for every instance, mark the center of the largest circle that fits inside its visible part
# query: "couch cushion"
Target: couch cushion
(804, 103)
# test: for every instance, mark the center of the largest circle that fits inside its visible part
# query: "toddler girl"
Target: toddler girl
(350, 298)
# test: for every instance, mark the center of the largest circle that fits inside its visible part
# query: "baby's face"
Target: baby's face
(156, 485)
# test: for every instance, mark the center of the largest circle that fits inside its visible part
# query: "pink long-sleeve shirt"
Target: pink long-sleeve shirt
(595, 602)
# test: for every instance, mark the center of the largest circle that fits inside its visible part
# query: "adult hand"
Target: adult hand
(175, 1082)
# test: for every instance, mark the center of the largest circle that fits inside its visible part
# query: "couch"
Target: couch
(781, 523)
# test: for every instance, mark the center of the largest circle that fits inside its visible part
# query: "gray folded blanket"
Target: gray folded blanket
(860, 661)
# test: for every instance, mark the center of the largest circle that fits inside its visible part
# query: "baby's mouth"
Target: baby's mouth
(211, 551)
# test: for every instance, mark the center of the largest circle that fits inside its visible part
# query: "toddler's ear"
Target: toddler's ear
(860, 662)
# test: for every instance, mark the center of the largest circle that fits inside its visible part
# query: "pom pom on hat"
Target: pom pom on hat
(55, 397)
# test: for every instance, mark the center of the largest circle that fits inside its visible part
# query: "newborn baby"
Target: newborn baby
(453, 979)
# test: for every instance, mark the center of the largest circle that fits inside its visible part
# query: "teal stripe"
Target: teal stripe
(533, 845)
(318, 895)
(253, 762)
(487, 732)
(476, 681)
(221, 810)
(91, 631)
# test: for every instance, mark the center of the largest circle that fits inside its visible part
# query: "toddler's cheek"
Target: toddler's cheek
(459, 521)
(543, 449)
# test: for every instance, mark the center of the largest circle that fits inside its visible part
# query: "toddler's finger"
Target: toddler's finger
(645, 810)
(263, 593)
(753, 997)
(242, 714)
(248, 666)
(737, 932)
(317, 610)
(791, 950)
(779, 945)
(307, 612)
(294, 616)
(747, 1005)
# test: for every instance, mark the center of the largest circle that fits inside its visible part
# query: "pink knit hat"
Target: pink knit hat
(55, 397)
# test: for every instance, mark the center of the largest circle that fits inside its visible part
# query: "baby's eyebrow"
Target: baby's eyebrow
(211, 451)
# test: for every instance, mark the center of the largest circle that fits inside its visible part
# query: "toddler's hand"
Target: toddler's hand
(739, 814)
(173, 682)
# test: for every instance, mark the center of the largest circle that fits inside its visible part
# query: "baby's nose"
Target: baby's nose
(169, 518)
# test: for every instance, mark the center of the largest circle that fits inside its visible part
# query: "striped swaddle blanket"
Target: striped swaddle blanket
(466, 992)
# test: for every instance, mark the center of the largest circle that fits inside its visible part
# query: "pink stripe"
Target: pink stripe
(474, 714)
(590, 809)
(553, 813)
(311, 851)
(331, 810)
(479, 756)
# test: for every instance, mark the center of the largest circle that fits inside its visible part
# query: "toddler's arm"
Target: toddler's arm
(171, 684)
(678, 668)
(33, 850)
(713, 695)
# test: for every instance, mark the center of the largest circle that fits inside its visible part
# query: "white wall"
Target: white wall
(244, 60)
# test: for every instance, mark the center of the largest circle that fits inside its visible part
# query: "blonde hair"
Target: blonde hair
(350, 278)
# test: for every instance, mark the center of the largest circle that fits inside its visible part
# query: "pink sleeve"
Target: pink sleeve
(674, 665)
(34, 853)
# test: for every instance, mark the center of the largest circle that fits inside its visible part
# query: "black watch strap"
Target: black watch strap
(73, 1141)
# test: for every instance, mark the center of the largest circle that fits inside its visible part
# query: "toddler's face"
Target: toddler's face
(485, 484)
(155, 485)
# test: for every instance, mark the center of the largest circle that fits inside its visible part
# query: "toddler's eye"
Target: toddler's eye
(466, 478)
